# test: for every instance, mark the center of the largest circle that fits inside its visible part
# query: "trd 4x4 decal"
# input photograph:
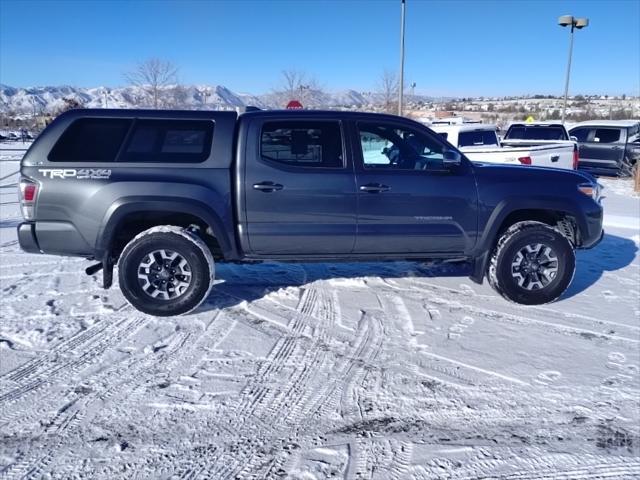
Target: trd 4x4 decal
(78, 174)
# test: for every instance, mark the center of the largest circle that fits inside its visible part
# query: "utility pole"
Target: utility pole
(579, 23)
(401, 85)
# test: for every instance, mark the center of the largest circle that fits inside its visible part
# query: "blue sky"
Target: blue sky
(453, 47)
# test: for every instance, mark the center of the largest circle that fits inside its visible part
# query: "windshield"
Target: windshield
(477, 138)
(536, 132)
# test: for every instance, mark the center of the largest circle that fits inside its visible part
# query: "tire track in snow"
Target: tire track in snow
(629, 336)
(270, 404)
(56, 368)
(111, 386)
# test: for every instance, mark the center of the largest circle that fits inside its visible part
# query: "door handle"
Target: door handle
(555, 158)
(374, 188)
(267, 186)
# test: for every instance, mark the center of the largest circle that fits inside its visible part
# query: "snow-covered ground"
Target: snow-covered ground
(384, 371)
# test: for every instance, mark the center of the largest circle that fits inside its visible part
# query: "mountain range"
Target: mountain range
(50, 99)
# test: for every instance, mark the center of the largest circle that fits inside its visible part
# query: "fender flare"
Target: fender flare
(488, 236)
(125, 206)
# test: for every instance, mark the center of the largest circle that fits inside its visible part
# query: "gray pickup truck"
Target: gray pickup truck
(165, 194)
(608, 147)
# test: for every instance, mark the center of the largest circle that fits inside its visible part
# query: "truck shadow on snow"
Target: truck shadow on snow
(613, 253)
(237, 283)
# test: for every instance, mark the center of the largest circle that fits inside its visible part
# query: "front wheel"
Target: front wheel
(532, 264)
(166, 271)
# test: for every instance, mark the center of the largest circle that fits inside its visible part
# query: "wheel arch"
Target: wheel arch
(548, 211)
(157, 211)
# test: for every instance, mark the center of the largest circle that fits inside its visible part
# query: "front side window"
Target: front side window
(91, 140)
(582, 134)
(169, 141)
(388, 147)
(302, 143)
(476, 138)
(607, 135)
(633, 132)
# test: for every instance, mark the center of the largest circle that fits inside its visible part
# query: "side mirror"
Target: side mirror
(451, 158)
(573, 138)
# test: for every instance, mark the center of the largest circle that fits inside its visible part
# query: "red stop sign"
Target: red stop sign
(294, 105)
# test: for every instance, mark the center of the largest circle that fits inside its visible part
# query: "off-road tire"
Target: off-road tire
(512, 241)
(175, 239)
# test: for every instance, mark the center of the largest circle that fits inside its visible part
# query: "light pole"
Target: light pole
(401, 85)
(579, 23)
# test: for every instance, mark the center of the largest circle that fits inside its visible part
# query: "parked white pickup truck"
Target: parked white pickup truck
(480, 143)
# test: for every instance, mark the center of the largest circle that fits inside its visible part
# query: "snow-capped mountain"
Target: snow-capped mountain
(50, 99)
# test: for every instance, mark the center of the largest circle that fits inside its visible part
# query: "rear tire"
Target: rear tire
(625, 169)
(166, 271)
(532, 264)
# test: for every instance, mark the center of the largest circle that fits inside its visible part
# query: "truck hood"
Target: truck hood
(527, 174)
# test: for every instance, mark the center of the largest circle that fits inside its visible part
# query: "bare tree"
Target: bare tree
(297, 85)
(69, 103)
(388, 90)
(292, 83)
(157, 78)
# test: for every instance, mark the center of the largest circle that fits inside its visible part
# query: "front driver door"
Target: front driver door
(408, 201)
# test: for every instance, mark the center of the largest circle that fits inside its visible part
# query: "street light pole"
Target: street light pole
(401, 85)
(579, 23)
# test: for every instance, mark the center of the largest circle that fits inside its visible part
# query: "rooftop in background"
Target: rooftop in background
(608, 123)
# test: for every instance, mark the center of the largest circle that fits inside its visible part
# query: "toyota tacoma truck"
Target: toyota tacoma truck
(163, 195)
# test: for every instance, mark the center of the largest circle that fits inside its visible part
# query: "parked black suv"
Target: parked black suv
(164, 194)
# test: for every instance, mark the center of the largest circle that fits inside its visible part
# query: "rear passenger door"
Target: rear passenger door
(299, 187)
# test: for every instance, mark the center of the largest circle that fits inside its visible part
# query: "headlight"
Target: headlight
(591, 189)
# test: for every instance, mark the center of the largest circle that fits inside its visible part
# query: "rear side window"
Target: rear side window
(538, 132)
(302, 143)
(607, 135)
(91, 140)
(169, 141)
(477, 138)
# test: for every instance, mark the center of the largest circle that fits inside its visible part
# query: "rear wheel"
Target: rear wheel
(532, 264)
(625, 169)
(166, 271)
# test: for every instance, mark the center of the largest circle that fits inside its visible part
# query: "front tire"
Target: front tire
(532, 264)
(166, 271)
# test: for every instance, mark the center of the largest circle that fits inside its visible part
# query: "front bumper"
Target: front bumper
(27, 237)
(583, 247)
(592, 232)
